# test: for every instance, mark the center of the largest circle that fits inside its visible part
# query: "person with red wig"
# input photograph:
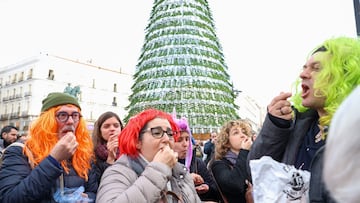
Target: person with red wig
(58, 156)
(147, 169)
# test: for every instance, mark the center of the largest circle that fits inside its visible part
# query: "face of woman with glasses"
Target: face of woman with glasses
(67, 118)
(154, 137)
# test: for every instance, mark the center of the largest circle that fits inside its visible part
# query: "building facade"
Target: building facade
(25, 84)
(251, 111)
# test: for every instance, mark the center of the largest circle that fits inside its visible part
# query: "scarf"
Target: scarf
(231, 156)
(101, 151)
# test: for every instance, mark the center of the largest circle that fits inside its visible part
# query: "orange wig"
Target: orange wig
(43, 137)
(129, 136)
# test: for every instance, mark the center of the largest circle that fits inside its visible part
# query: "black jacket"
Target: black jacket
(198, 166)
(231, 178)
(283, 143)
(317, 191)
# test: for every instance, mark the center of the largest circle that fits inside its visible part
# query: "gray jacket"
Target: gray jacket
(131, 180)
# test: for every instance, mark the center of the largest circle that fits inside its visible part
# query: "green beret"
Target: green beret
(57, 98)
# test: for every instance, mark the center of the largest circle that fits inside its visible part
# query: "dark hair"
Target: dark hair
(96, 135)
(7, 129)
(322, 49)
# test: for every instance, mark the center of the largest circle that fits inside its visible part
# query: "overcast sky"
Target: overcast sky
(265, 43)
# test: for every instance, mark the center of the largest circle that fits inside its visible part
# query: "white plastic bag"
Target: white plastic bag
(278, 182)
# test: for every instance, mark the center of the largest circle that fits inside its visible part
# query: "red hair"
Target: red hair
(43, 137)
(129, 136)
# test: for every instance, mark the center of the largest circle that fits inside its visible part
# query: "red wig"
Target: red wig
(129, 136)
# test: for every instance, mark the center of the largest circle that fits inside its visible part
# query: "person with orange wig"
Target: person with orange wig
(57, 156)
(147, 169)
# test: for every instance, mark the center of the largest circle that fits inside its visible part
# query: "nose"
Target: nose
(112, 128)
(305, 73)
(70, 120)
(185, 143)
(166, 136)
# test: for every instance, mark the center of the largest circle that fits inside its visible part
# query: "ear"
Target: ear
(138, 144)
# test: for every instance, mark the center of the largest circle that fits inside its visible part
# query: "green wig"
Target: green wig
(340, 74)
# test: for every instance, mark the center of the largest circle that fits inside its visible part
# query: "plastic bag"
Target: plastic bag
(278, 182)
(71, 195)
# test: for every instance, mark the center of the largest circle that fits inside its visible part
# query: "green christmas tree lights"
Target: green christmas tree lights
(182, 67)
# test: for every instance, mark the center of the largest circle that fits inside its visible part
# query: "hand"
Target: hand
(201, 189)
(198, 180)
(167, 156)
(248, 194)
(246, 143)
(65, 147)
(280, 107)
(112, 146)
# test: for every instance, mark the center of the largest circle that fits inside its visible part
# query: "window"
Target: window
(21, 78)
(115, 88)
(114, 103)
(51, 75)
(30, 74)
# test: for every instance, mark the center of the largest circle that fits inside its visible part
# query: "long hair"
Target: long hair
(222, 145)
(129, 137)
(43, 137)
(339, 75)
(96, 136)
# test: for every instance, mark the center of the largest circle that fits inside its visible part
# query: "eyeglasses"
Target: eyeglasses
(158, 132)
(62, 116)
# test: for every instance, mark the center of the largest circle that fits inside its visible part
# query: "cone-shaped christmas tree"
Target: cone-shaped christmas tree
(182, 67)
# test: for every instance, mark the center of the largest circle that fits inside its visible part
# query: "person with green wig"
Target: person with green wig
(295, 128)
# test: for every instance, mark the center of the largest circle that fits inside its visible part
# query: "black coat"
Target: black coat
(317, 191)
(231, 178)
(283, 143)
(198, 166)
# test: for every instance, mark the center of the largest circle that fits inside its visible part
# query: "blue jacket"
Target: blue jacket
(20, 183)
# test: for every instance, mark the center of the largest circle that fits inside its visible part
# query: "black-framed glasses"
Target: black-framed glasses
(158, 132)
(63, 116)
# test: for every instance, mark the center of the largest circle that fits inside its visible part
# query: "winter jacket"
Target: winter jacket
(209, 150)
(133, 180)
(231, 177)
(282, 144)
(2, 145)
(100, 166)
(198, 166)
(19, 183)
(317, 191)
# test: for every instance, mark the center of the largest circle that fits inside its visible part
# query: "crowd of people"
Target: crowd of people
(155, 158)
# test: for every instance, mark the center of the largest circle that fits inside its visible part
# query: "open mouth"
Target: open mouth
(305, 90)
